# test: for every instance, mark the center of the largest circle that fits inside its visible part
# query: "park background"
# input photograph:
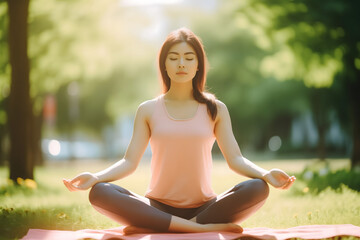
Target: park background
(72, 74)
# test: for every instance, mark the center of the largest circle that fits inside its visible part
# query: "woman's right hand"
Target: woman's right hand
(82, 181)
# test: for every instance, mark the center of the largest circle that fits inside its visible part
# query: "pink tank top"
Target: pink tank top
(181, 161)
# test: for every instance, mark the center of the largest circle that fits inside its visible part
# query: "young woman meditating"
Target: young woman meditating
(181, 125)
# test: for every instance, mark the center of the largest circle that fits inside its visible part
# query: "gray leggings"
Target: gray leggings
(125, 207)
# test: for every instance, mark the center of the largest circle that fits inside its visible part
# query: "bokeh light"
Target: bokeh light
(274, 143)
(54, 147)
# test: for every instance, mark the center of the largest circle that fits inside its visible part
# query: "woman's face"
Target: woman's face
(181, 63)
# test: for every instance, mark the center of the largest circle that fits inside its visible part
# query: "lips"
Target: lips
(181, 73)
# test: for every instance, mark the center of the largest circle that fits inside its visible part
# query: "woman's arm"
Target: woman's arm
(134, 152)
(236, 161)
(125, 166)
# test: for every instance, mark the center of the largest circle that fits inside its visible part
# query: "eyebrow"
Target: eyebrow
(176, 53)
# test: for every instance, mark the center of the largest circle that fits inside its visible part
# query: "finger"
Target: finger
(70, 186)
(284, 184)
(75, 179)
(76, 187)
(288, 184)
(290, 179)
(66, 183)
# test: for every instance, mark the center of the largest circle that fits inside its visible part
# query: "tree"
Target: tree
(317, 42)
(102, 61)
(256, 103)
(4, 80)
(19, 99)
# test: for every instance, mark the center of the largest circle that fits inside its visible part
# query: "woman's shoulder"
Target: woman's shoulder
(222, 110)
(147, 107)
(220, 105)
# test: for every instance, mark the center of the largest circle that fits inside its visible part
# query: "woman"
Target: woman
(181, 125)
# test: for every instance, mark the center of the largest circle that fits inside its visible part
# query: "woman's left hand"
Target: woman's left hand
(279, 179)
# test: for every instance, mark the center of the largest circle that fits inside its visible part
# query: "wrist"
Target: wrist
(265, 176)
(97, 178)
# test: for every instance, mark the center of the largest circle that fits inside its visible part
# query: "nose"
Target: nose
(181, 63)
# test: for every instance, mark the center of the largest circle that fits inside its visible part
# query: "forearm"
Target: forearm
(244, 167)
(117, 171)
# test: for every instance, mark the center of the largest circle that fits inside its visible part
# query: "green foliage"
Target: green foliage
(308, 37)
(92, 44)
(62, 46)
(110, 51)
(318, 181)
(259, 107)
(81, 41)
(306, 41)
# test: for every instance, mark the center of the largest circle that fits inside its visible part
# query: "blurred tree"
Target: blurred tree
(325, 105)
(256, 104)
(3, 129)
(20, 117)
(101, 62)
(63, 53)
(64, 49)
(318, 42)
(4, 79)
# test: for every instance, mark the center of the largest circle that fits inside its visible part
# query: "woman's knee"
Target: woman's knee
(96, 192)
(261, 188)
(102, 192)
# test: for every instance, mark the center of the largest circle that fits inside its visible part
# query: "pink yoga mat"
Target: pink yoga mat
(304, 232)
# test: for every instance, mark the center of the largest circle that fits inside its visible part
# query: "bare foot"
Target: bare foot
(134, 230)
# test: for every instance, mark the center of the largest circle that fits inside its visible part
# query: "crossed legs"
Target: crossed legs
(128, 208)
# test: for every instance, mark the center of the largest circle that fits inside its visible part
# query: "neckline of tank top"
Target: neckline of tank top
(162, 100)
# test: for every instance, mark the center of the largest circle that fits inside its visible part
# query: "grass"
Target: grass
(50, 206)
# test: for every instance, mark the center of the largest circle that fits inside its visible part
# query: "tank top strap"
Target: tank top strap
(158, 113)
(160, 103)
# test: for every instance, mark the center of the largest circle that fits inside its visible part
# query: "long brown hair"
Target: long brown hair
(198, 82)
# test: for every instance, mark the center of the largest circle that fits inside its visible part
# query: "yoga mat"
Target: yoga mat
(304, 232)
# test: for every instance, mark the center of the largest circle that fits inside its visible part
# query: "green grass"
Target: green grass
(51, 206)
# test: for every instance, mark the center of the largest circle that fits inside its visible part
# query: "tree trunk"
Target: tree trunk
(2, 150)
(21, 164)
(321, 148)
(352, 85)
(320, 112)
(3, 133)
(36, 140)
(354, 89)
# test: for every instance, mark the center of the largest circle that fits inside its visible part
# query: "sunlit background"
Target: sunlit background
(93, 62)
